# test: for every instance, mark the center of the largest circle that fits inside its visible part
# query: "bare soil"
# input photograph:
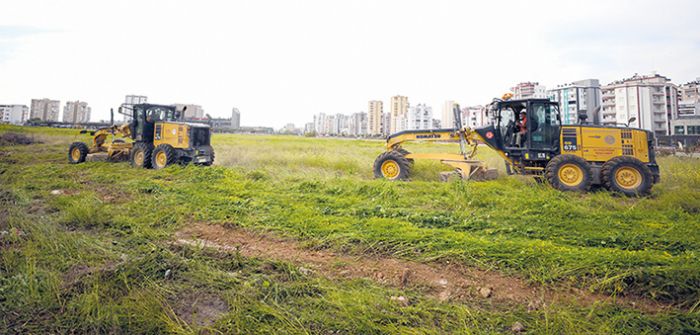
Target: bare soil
(442, 281)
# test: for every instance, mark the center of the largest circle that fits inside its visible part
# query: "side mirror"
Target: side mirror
(632, 119)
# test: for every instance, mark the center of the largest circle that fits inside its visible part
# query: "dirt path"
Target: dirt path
(441, 281)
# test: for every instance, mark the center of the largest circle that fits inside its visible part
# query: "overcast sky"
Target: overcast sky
(283, 61)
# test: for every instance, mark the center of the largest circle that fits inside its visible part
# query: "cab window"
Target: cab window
(545, 126)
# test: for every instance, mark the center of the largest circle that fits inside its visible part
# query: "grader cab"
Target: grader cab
(156, 137)
(530, 138)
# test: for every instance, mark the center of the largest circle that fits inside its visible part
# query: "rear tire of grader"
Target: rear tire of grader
(140, 156)
(77, 152)
(392, 165)
(627, 175)
(569, 173)
(164, 155)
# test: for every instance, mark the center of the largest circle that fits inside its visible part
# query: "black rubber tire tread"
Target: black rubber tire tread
(401, 161)
(552, 173)
(170, 155)
(83, 152)
(406, 152)
(147, 149)
(607, 173)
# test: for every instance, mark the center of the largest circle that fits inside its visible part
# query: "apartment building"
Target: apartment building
(448, 118)
(474, 116)
(652, 100)
(358, 124)
(687, 121)
(527, 90)
(386, 124)
(578, 98)
(235, 118)
(45, 109)
(375, 115)
(419, 117)
(76, 112)
(14, 114)
(399, 108)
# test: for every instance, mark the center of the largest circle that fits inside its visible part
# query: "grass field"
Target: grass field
(103, 248)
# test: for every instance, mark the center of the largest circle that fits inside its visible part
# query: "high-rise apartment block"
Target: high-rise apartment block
(14, 114)
(358, 124)
(651, 100)
(529, 90)
(420, 117)
(45, 109)
(474, 116)
(687, 121)
(399, 108)
(386, 124)
(581, 97)
(76, 112)
(235, 118)
(375, 115)
(448, 117)
(690, 91)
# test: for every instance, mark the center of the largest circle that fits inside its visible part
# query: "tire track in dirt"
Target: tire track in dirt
(441, 281)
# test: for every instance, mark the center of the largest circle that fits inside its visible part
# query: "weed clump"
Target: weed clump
(8, 139)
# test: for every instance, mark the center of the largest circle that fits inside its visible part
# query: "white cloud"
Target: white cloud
(283, 61)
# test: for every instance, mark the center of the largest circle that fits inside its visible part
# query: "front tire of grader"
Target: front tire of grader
(163, 156)
(77, 152)
(140, 156)
(569, 173)
(392, 165)
(406, 152)
(627, 175)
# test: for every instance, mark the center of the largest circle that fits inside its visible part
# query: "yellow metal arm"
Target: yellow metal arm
(444, 135)
(100, 135)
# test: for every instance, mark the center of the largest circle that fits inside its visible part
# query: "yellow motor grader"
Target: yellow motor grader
(156, 137)
(530, 138)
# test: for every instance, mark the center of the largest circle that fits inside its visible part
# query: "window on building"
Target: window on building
(693, 130)
(679, 130)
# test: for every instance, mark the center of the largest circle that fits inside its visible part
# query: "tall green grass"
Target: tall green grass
(83, 262)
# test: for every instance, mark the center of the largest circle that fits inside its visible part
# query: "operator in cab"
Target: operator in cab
(521, 128)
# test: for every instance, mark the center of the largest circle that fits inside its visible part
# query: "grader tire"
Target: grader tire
(628, 176)
(163, 156)
(569, 173)
(392, 165)
(406, 152)
(77, 152)
(140, 156)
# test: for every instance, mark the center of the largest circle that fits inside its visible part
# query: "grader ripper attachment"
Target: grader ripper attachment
(530, 138)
